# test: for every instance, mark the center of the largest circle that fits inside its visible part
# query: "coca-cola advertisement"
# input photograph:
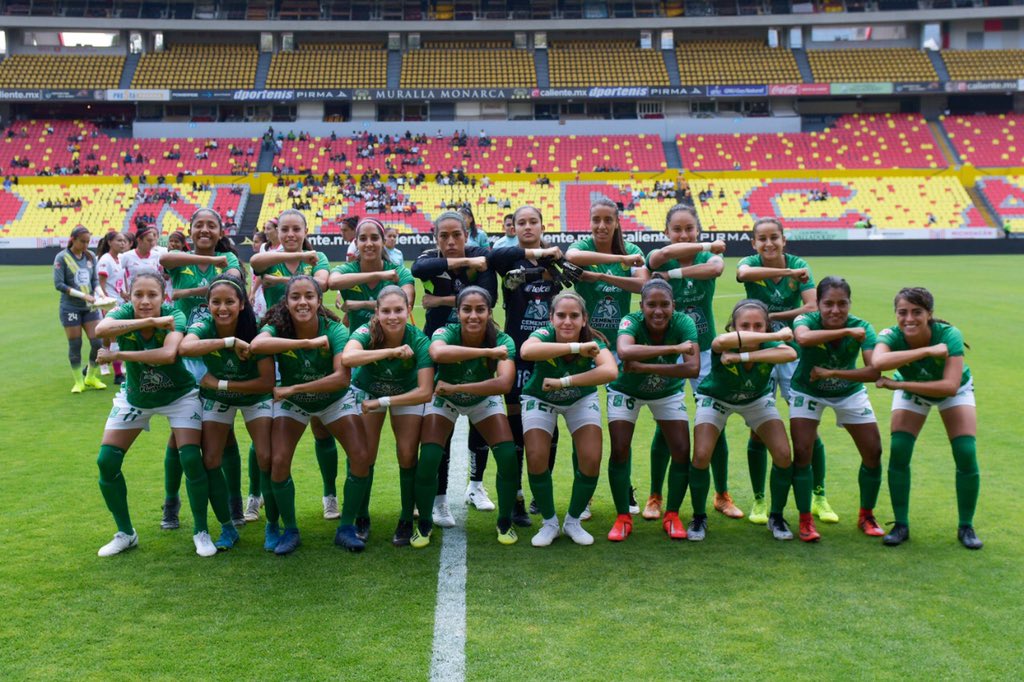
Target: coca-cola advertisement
(798, 89)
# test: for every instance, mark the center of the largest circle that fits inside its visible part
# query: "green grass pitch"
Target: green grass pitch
(738, 605)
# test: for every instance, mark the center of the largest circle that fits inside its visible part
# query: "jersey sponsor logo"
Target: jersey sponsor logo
(154, 381)
(536, 310)
(606, 313)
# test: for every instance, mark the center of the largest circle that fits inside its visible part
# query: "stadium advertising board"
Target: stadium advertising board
(861, 88)
(737, 90)
(980, 86)
(134, 95)
(917, 88)
(798, 89)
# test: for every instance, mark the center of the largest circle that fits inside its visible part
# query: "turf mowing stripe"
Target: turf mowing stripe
(448, 661)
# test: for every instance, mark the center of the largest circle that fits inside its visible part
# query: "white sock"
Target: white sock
(440, 499)
(476, 485)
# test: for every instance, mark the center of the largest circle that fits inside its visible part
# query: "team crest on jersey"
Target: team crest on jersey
(652, 383)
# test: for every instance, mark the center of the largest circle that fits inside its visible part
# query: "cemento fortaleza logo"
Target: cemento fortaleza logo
(262, 95)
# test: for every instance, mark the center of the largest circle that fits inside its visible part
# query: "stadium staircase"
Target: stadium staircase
(540, 59)
(672, 66)
(672, 156)
(130, 64)
(394, 69)
(250, 215)
(804, 65)
(983, 206)
(940, 66)
(266, 161)
(262, 69)
(945, 145)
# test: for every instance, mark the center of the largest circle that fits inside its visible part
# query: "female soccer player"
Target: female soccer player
(783, 282)
(929, 355)
(475, 236)
(476, 368)
(691, 268)
(827, 376)
(650, 343)
(145, 256)
(571, 360)
(271, 243)
(148, 333)
(176, 241)
(111, 279)
(740, 382)
(391, 250)
(235, 379)
(308, 341)
(75, 277)
(394, 372)
(360, 281)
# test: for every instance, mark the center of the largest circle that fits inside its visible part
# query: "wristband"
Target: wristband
(222, 385)
(675, 273)
(536, 253)
(744, 357)
(384, 401)
(705, 247)
(75, 293)
(229, 342)
(566, 382)
(574, 347)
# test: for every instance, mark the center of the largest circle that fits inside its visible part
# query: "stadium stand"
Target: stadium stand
(872, 141)
(974, 65)
(987, 140)
(481, 64)
(723, 62)
(880, 64)
(60, 71)
(1005, 198)
(330, 65)
(613, 62)
(198, 66)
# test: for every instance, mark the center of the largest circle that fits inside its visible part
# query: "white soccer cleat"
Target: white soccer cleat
(252, 508)
(120, 543)
(331, 507)
(442, 514)
(476, 495)
(576, 532)
(586, 515)
(204, 545)
(547, 534)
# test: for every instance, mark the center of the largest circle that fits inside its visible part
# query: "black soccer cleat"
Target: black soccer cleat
(968, 538)
(899, 534)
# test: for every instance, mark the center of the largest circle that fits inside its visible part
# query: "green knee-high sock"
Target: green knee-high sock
(678, 479)
(818, 467)
(543, 492)
(363, 512)
(284, 493)
(780, 481)
(327, 457)
(700, 485)
(968, 479)
(269, 501)
(618, 479)
(254, 473)
(113, 486)
(231, 463)
(870, 481)
(408, 494)
(801, 488)
(197, 484)
(507, 481)
(660, 457)
(583, 488)
(901, 446)
(219, 494)
(425, 481)
(356, 488)
(720, 465)
(172, 473)
(757, 462)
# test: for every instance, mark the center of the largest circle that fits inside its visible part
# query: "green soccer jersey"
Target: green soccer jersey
(467, 371)
(193, 276)
(782, 295)
(149, 386)
(556, 368)
(841, 354)
(273, 294)
(392, 377)
(606, 304)
(303, 366)
(928, 369)
(694, 296)
(368, 292)
(225, 364)
(735, 383)
(681, 328)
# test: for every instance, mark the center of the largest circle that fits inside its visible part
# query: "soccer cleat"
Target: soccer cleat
(419, 540)
(228, 537)
(547, 534)
(534, 509)
(331, 507)
(92, 379)
(363, 528)
(823, 510)
(621, 529)
(759, 512)
(899, 534)
(519, 516)
(271, 536)
(78, 386)
(725, 505)
(509, 537)
(808, 533)
(476, 495)
(346, 538)
(120, 543)
(968, 538)
(867, 523)
(237, 512)
(779, 528)
(204, 545)
(576, 532)
(403, 533)
(634, 507)
(697, 529)
(673, 525)
(586, 515)
(652, 510)
(289, 542)
(118, 379)
(252, 508)
(442, 515)
(170, 509)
